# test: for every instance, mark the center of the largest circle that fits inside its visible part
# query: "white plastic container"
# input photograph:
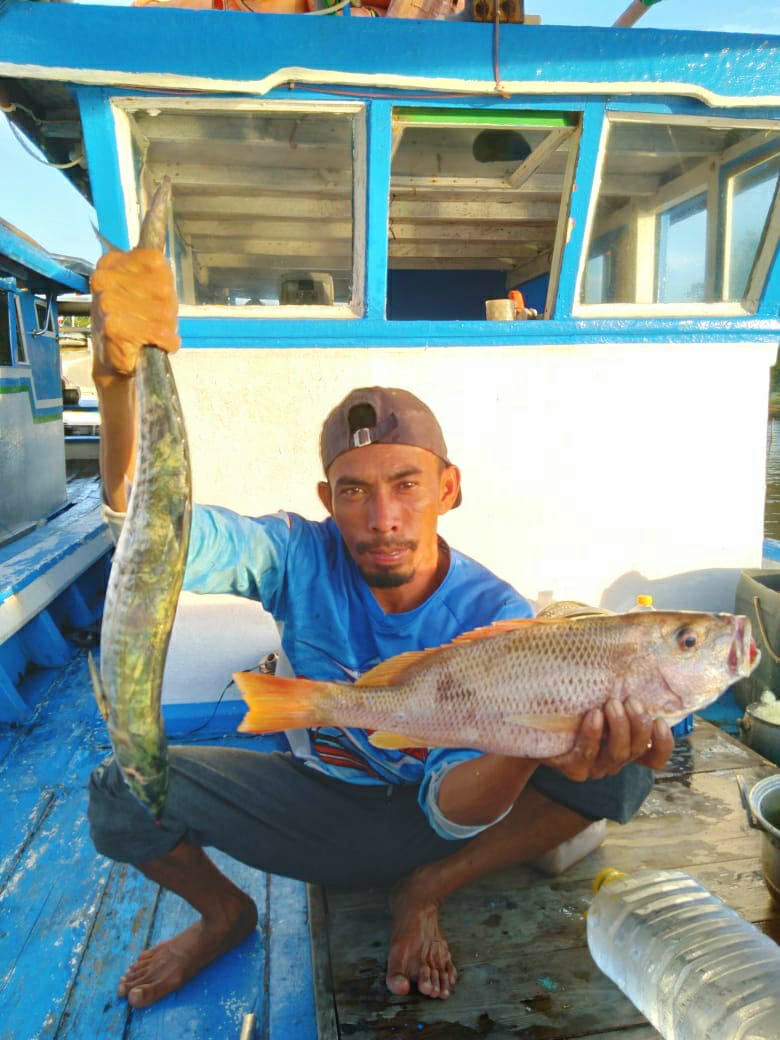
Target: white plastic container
(694, 967)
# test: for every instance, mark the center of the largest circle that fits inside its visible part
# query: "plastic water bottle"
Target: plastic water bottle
(643, 603)
(694, 967)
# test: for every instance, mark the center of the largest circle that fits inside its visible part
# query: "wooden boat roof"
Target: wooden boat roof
(46, 49)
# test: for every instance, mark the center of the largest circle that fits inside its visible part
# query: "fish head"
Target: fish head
(696, 657)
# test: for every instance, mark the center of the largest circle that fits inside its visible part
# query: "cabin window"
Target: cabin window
(681, 252)
(752, 195)
(265, 207)
(44, 315)
(689, 211)
(476, 201)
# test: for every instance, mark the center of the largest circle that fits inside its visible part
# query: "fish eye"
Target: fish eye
(687, 639)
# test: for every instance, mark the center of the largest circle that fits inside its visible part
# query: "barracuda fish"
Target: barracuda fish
(148, 568)
(519, 687)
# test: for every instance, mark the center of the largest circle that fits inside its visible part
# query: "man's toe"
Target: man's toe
(398, 983)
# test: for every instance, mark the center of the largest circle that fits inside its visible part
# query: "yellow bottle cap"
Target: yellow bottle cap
(605, 876)
(644, 601)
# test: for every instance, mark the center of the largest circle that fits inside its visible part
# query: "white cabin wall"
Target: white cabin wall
(589, 472)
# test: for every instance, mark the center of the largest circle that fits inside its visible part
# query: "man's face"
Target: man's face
(386, 500)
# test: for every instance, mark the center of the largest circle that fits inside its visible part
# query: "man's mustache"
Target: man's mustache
(385, 543)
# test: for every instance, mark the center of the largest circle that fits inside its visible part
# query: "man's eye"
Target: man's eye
(351, 492)
(408, 485)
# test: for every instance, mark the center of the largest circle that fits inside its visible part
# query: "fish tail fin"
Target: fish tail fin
(276, 703)
(97, 686)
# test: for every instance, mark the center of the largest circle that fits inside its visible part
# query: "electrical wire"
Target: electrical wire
(23, 142)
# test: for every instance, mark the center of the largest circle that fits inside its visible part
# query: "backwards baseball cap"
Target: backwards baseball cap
(381, 415)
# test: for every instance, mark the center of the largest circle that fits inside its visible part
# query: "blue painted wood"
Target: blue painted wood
(47, 916)
(591, 141)
(72, 922)
(43, 643)
(119, 934)
(97, 123)
(213, 1004)
(220, 45)
(12, 707)
(232, 332)
(379, 134)
(291, 996)
(25, 560)
(71, 609)
(21, 250)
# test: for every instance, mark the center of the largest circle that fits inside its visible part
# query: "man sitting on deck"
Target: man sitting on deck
(372, 581)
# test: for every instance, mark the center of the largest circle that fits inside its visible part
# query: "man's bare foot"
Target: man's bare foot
(170, 964)
(418, 951)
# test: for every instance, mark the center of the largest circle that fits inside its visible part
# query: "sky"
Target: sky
(41, 201)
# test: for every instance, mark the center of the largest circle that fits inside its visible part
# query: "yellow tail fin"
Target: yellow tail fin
(276, 703)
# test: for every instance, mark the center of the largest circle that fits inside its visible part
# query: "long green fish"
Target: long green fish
(148, 567)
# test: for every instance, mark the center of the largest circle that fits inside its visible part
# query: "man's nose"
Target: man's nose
(383, 512)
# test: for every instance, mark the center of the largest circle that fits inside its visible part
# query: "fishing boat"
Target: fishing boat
(565, 239)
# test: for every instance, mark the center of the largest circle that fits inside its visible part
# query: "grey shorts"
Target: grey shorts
(272, 812)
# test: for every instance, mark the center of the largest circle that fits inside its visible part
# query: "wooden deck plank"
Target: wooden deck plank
(47, 919)
(214, 1003)
(519, 938)
(119, 933)
(290, 994)
(72, 921)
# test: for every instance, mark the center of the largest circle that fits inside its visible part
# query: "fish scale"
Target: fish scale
(147, 570)
(520, 687)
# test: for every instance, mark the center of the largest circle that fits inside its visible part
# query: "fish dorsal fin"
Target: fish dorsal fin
(498, 628)
(395, 670)
(395, 741)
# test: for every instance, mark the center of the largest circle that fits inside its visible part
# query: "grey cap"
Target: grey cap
(380, 415)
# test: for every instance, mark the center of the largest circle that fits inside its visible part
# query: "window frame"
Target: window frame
(122, 108)
(677, 193)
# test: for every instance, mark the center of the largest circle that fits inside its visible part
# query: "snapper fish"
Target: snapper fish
(519, 687)
(147, 570)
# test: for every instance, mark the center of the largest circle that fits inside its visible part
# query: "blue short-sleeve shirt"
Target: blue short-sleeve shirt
(334, 629)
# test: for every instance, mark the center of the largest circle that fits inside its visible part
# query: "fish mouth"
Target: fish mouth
(744, 655)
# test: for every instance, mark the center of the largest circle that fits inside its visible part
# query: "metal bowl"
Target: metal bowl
(764, 801)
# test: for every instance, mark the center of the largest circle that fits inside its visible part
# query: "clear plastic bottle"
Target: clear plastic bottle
(693, 966)
(643, 602)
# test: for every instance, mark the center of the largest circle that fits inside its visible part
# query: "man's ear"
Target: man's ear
(448, 488)
(326, 495)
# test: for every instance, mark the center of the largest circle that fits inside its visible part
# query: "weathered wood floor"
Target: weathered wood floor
(519, 938)
(71, 921)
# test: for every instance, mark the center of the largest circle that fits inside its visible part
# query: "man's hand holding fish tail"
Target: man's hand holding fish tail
(134, 303)
(382, 599)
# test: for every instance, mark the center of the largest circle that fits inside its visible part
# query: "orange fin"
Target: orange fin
(276, 703)
(395, 741)
(551, 723)
(395, 670)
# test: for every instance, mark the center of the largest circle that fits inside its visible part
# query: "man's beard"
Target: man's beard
(386, 579)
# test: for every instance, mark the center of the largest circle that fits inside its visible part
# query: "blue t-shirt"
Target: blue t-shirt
(334, 629)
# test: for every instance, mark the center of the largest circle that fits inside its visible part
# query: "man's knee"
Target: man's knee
(615, 798)
(122, 828)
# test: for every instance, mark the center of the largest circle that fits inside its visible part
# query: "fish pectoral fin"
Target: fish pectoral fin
(395, 741)
(551, 723)
(97, 686)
